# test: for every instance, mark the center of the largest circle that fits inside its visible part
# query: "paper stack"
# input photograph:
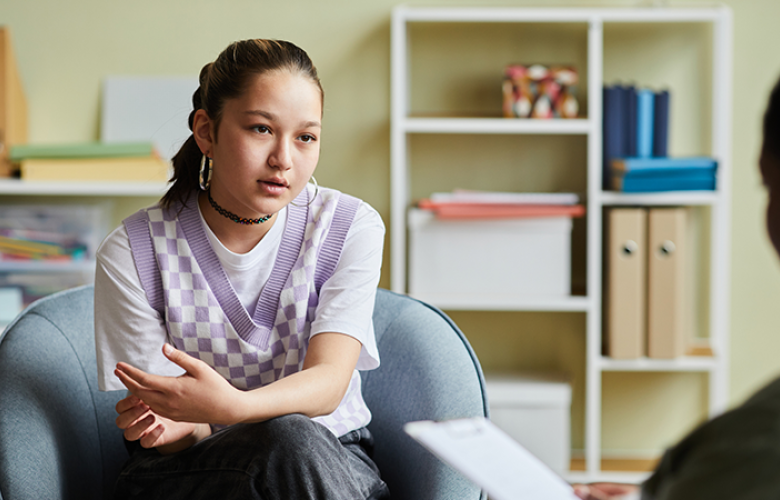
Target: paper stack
(463, 204)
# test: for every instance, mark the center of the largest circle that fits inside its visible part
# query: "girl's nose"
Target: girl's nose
(281, 156)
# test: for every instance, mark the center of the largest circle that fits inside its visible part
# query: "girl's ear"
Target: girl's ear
(202, 130)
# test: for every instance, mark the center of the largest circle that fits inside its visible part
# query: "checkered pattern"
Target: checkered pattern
(249, 356)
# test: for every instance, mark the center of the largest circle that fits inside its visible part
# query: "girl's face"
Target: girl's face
(267, 144)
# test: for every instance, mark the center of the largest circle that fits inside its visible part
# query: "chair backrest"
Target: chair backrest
(428, 371)
(57, 434)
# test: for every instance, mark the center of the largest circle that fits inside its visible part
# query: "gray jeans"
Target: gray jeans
(286, 458)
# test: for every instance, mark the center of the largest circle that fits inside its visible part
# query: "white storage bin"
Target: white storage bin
(535, 411)
(453, 260)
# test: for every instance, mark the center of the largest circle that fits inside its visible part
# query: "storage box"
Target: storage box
(454, 260)
(535, 411)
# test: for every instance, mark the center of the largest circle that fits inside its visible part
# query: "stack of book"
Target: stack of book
(463, 204)
(24, 244)
(93, 161)
(635, 145)
(53, 233)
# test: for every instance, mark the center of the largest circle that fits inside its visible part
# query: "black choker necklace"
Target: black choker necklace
(234, 217)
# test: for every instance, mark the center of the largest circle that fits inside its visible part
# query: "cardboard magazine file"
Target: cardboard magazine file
(625, 282)
(13, 106)
(667, 256)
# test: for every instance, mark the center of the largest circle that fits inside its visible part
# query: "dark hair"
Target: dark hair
(772, 123)
(227, 78)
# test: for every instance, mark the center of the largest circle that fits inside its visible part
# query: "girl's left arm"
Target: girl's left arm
(202, 395)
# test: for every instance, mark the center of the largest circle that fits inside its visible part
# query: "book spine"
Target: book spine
(613, 140)
(655, 184)
(644, 136)
(634, 164)
(661, 125)
(148, 169)
(630, 97)
(89, 150)
(671, 173)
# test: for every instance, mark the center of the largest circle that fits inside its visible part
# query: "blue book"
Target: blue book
(639, 184)
(661, 124)
(644, 123)
(630, 104)
(623, 165)
(667, 172)
(613, 141)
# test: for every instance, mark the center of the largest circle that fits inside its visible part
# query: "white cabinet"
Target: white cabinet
(419, 111)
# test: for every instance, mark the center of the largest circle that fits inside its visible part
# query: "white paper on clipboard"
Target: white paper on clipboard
(491, 459)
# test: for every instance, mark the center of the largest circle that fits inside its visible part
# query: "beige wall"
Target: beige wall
(65, 49)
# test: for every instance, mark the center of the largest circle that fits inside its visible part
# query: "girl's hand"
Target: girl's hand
(200, 395)
(141, 424)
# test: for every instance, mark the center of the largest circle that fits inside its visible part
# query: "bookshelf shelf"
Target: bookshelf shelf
(580, 126)
(505, 303)
(683, 364)
(47, 267)
(542, 15)
(689, 198)
(81, 188)
(405, 124)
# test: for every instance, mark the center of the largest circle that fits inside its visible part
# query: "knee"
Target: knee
(294, 436)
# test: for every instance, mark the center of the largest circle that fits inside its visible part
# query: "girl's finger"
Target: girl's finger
(141, 377)
(130, 417)
(150, 439)
(148, 396)
(127, 403)
(141, 428)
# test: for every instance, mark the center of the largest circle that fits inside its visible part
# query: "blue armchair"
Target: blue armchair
(57, 432)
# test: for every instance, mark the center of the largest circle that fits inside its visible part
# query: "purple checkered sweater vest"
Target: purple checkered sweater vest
(185, 282)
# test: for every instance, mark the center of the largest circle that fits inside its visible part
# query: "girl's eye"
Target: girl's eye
(308, 138)
(262, 129)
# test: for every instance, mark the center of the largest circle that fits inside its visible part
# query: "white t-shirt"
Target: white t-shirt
(128, 329)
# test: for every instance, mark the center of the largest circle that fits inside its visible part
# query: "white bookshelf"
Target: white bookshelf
(404, 125)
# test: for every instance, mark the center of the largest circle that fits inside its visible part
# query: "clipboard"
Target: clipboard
(486, 455)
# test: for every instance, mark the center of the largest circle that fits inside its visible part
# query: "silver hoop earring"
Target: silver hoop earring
(316, 192)
(316, 189)
(204, 177)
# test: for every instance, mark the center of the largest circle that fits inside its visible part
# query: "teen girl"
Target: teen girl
(238, 310)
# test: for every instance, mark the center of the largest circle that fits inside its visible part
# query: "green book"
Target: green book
(81, 150)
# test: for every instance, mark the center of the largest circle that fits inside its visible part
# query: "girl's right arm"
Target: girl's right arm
(127, 329)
